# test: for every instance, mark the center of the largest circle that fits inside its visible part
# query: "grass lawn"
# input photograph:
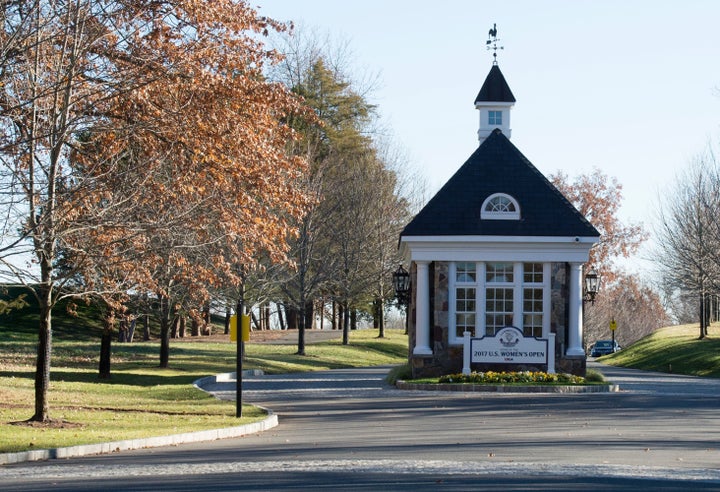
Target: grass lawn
(675, 349)
(142, 400)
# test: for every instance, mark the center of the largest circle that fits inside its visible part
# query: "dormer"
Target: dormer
(494, 102)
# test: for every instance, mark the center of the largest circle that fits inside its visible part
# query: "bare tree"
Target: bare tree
(687, 247)
(636, 309)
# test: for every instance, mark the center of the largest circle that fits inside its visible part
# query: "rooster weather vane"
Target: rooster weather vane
(492, 43)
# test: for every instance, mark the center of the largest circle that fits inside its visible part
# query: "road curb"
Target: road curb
(149, 442)
(499, 388)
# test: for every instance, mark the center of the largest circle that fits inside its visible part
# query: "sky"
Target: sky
(629, 87)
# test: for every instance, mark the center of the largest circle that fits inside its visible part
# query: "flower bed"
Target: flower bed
(522, 377)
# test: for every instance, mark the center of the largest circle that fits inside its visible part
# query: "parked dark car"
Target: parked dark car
(604, 347)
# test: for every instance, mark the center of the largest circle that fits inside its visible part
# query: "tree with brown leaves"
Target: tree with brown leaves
(142, 148)
(598, 197)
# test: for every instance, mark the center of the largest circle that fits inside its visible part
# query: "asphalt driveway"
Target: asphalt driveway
(348, 430)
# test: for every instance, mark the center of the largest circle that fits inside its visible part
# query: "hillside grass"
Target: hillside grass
(674, 349)
(141, 399)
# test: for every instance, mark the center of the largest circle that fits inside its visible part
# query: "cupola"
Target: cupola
(494, 102)
(495, 98)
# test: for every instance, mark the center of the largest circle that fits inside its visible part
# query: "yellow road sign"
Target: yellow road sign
(613, 325)
(244, 328)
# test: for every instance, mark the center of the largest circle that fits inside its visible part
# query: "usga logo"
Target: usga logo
(508, 337)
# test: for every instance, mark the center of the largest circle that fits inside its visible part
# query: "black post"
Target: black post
(238, 334)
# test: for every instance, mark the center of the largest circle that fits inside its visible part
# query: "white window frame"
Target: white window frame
(452, 297)
(534, 286)
(480, 285)
(493, 116)
(486, 214)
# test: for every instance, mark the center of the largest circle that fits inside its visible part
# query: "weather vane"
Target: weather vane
(492, 43)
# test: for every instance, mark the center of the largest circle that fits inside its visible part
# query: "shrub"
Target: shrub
(594, 376)
(400, 372)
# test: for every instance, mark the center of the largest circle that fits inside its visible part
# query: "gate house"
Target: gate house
(497, 246)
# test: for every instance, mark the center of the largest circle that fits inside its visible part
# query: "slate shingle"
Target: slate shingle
(495, 88)
(497, 166)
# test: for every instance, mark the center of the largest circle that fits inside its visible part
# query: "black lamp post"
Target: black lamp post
(592, 284)
(239, 310)
(401, 284)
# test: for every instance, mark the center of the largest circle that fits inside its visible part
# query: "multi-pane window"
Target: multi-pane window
(498, 309)
(532, 312)
(499, 272)
(498, 296)
(500, 203)
(465, 292)
(532, 299)
(500, 206)
(533, 273)
(465, 272)
(495, 117)
(487, 296)
(464, 310)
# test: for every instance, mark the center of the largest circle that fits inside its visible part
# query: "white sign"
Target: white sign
(509, 346)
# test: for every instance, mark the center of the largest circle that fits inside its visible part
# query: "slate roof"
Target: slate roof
(497, 166)
(495, 88)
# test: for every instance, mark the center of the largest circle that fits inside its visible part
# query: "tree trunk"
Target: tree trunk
(703, 329)
(291, 316)
(320, 308)
(353, 319)
(346, 324)
(44, 351)
(333, 322)
(146, 327)
(194, 327)
(227, 320)
(309, 315)
(341, 315)
(206, 329)
(376, 323)
(301, 317)
(267, 316)
(280, 317)
(123, 331)
(381, 319)
(106, 346)
(131, 329)
(164, 332)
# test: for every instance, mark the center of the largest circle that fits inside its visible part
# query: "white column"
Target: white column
(422, 310)
(466, 352)
(575, 321)
(551, 354)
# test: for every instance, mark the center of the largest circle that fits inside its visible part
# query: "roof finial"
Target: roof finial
(492, 42)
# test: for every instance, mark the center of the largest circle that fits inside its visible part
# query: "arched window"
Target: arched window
(500, 206)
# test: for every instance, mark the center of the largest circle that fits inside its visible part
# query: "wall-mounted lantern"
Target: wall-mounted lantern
(401, 284)
(592, 285)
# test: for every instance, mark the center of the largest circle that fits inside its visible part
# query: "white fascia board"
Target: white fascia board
(494, 104)
(497, 248)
